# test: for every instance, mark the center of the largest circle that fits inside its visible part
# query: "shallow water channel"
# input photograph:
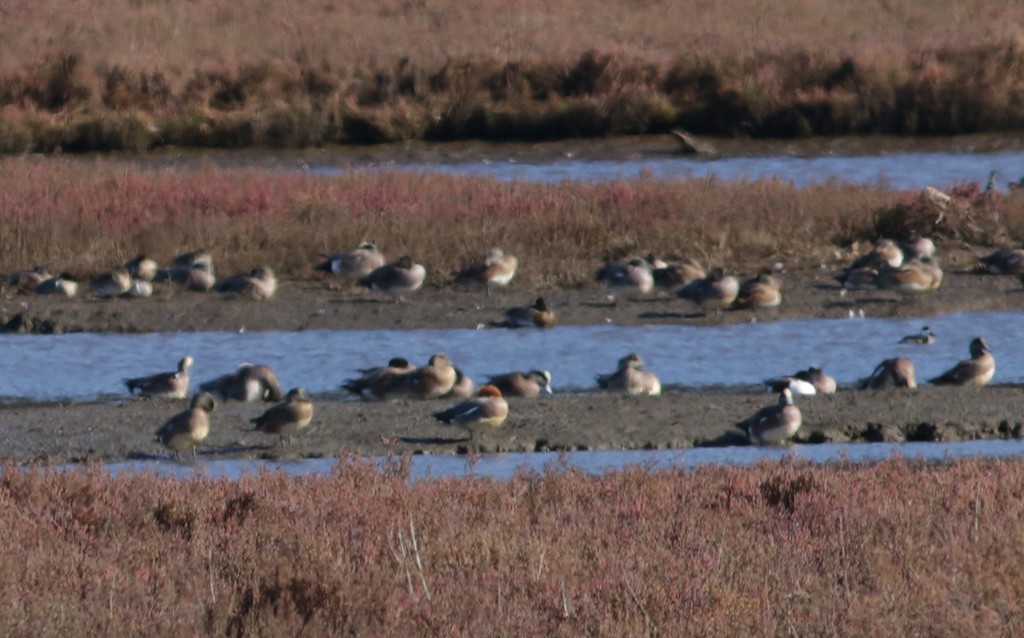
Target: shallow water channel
(90, 367)
(898, 170)
(902, 163)
(504, 466)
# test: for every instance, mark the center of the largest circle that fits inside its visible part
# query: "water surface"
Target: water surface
(87, 366)
(504, 466)
(898, 170)
(910, 163)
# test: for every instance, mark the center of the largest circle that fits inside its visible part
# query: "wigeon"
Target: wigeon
(353, 264)
(483, 413)
(976, 371)
(259, 284)
(189, 428)
(523, 384)
(396, 279)
(497, 268)
(247, 383)
(891, 373)
(164, 385)
(288, 418)
(539, 315)
(774, 424)
(629, 378)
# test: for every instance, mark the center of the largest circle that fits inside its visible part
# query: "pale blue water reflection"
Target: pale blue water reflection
(504, 466)
(86, 367)
(899, 170)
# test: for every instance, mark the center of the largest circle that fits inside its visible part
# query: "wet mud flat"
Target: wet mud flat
(331, 304)
(107, 432)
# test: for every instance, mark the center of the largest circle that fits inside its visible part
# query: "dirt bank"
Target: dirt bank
(330, 304)
(111, 432)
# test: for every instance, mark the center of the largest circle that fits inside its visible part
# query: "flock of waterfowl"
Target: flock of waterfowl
(192, 271)
(398, 379)
(488, 409)
(909, 266)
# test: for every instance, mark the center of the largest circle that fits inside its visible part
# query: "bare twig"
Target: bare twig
(209, 573)
(566, 607)
(419, 563)
(651, 627)
(842, 558)
(401, 557)
(977, 511)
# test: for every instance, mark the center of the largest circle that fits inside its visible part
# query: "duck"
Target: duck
(63, 284)
(1006, 261)
(523, 384)
(463, 387)
(717, 291)
(353, 264)
(288, 418)
(865, 278)
(886, 253)
(811, 381)
(247, 383)
(539, 315)
(917, 275)
(28, 280)
(139, 289)
(198, 278)
(675, 277)
(976, 371)
(372, 381)
(634, 274)
(164, 385)
(259, 284)
(629, 378)
(495, 269)
(112, 284)
(189, 428)
(891, 373)
(774, 424)
(142, 268)
(181, 266)
(396, 279)
(924, 338)
(761, 291)
(916, 246)
(431, 381)
(655, 262)
(484, 413)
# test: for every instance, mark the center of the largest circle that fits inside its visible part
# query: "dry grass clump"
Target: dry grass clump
(131, 74)
(896, 548)
(87, 218)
